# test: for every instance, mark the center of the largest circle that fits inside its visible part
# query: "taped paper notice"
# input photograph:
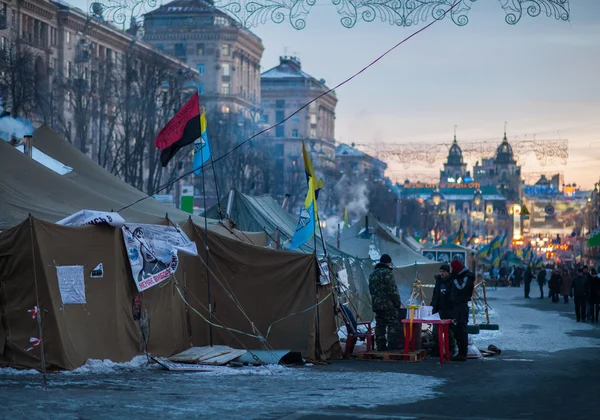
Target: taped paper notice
(98, 272)
(324, 278)
(71, 284)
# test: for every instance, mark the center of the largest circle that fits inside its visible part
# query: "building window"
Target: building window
(200, 68)
(279, 116)
(3, 42)
(296, 118)
(226, 69)
(69, 128)
(200, 88)
(280, 103)
(225, 89)
(199, 49)
(69, 104)
(280, 131)
(295, 132)
(265, 118)
(265, 104)
(225, 49)
(313, 133)
(180, 50)
(313, 119)
(220, 21)
(160, 46)
(69, 69)
(68, 35)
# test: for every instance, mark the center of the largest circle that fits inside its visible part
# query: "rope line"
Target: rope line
(298, 313)
(327, 92)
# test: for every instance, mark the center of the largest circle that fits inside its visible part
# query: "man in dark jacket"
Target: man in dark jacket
(386, 304)
(541, 279)
(527, 281)
(579, 289)
(441, 302)
(461, 292)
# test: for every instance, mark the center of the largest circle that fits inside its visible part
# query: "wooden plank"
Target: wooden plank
(196, 354)
(393, 356)
(183, 367)
(223, 359)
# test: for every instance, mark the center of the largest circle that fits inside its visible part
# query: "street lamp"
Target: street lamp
(477, 196)
(436, 197)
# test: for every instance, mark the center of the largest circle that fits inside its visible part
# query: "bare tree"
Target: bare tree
(18, 78)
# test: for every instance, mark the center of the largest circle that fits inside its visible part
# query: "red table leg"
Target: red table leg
(406, 340)
(441, 345)
(447, 340)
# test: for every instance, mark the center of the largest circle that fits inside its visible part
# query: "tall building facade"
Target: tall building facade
(284, 89)
(226, 55)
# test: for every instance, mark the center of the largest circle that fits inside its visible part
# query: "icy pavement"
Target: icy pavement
(110, 390)
(524, 327)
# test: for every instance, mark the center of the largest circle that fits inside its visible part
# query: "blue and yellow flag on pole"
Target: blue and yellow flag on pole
(310, 171)
(309, 216)
(346, 224)
(201, 146)
(460, 236)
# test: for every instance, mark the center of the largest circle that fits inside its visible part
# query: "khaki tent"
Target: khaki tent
(269, 284)
(28, 187)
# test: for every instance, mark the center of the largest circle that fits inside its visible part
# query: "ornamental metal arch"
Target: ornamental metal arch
(403, 13)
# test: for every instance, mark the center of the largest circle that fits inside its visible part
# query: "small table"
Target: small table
(443, 336)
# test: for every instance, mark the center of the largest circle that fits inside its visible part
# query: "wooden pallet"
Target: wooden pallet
(384, 356)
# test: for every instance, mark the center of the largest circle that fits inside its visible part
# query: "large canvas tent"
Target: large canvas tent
(264, 214)
(28, 187)
(270, 286)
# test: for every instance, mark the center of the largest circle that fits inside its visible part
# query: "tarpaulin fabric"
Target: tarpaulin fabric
(270, 285)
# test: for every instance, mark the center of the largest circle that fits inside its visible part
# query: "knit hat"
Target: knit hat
(445, 267)
(457, 266)
(385, 259)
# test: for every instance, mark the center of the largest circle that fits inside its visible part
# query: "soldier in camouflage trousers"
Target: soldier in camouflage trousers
(386, 304)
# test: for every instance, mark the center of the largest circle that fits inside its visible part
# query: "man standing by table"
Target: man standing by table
(441, 303)
(386, 305)
(461, 292)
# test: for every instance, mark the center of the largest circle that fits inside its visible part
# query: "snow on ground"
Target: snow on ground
(157, 393)
(523, 327)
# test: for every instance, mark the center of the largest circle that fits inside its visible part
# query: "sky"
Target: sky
(540, 76)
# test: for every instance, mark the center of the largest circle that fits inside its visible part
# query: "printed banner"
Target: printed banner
(152, 251)
(92, 217)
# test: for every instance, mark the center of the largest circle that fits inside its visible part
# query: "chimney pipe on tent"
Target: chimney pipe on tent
(285, 200)
(27, 145)
(229, 204)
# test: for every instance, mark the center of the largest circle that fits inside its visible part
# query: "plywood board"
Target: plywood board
(223, 359)
(196, 354)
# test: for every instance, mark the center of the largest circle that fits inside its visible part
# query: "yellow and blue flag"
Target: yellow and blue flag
(310, 171)
(460, 236)
(496, 258)
(201, 146)
(484, 251)
(346, 224)
(309, 216)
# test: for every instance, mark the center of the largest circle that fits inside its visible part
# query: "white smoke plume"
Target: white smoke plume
(17, 127)
(352, 194)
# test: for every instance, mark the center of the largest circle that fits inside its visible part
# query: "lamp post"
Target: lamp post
(477, 198)
(436, 198)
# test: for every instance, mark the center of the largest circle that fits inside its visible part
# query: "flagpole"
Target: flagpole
(210, 331)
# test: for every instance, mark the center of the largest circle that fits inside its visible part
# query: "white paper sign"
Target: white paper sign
(324, 278)
(152, 252)
(343, 277)
(71, 284)
(92, 217)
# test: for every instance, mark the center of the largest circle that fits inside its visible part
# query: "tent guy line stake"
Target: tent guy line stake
(39, 312)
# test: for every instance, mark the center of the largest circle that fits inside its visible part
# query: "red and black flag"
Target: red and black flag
(181, 130)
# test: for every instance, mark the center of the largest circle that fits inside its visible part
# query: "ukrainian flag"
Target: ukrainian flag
(484, 251)
(496, 258)
(460, 236)
(346, 224)
(495, 242)
(309, 215)
(201, 151)
(540, 263)
(310, 171)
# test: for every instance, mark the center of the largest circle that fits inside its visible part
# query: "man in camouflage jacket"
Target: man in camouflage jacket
(386, 304)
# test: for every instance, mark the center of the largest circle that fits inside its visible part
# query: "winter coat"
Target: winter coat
(441, 300)
(594, 290)
(528, 276)
(555, 282)
(579, 286)
(384, 292)
(462, 285)
(565, 287)
(541, 277)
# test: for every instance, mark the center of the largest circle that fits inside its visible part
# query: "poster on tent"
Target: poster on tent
(152, 252)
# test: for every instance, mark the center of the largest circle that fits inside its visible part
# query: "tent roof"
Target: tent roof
(356, 241)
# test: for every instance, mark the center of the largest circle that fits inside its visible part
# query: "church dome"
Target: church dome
(455, 156)
(504, 152)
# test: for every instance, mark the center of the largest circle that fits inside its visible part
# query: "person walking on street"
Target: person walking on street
(441, 303)
(528, 278)
(554, 285)
(579, 289)
(541, 279)
(386, 305)
(565, 285)
(461, 292)
(594, 296)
